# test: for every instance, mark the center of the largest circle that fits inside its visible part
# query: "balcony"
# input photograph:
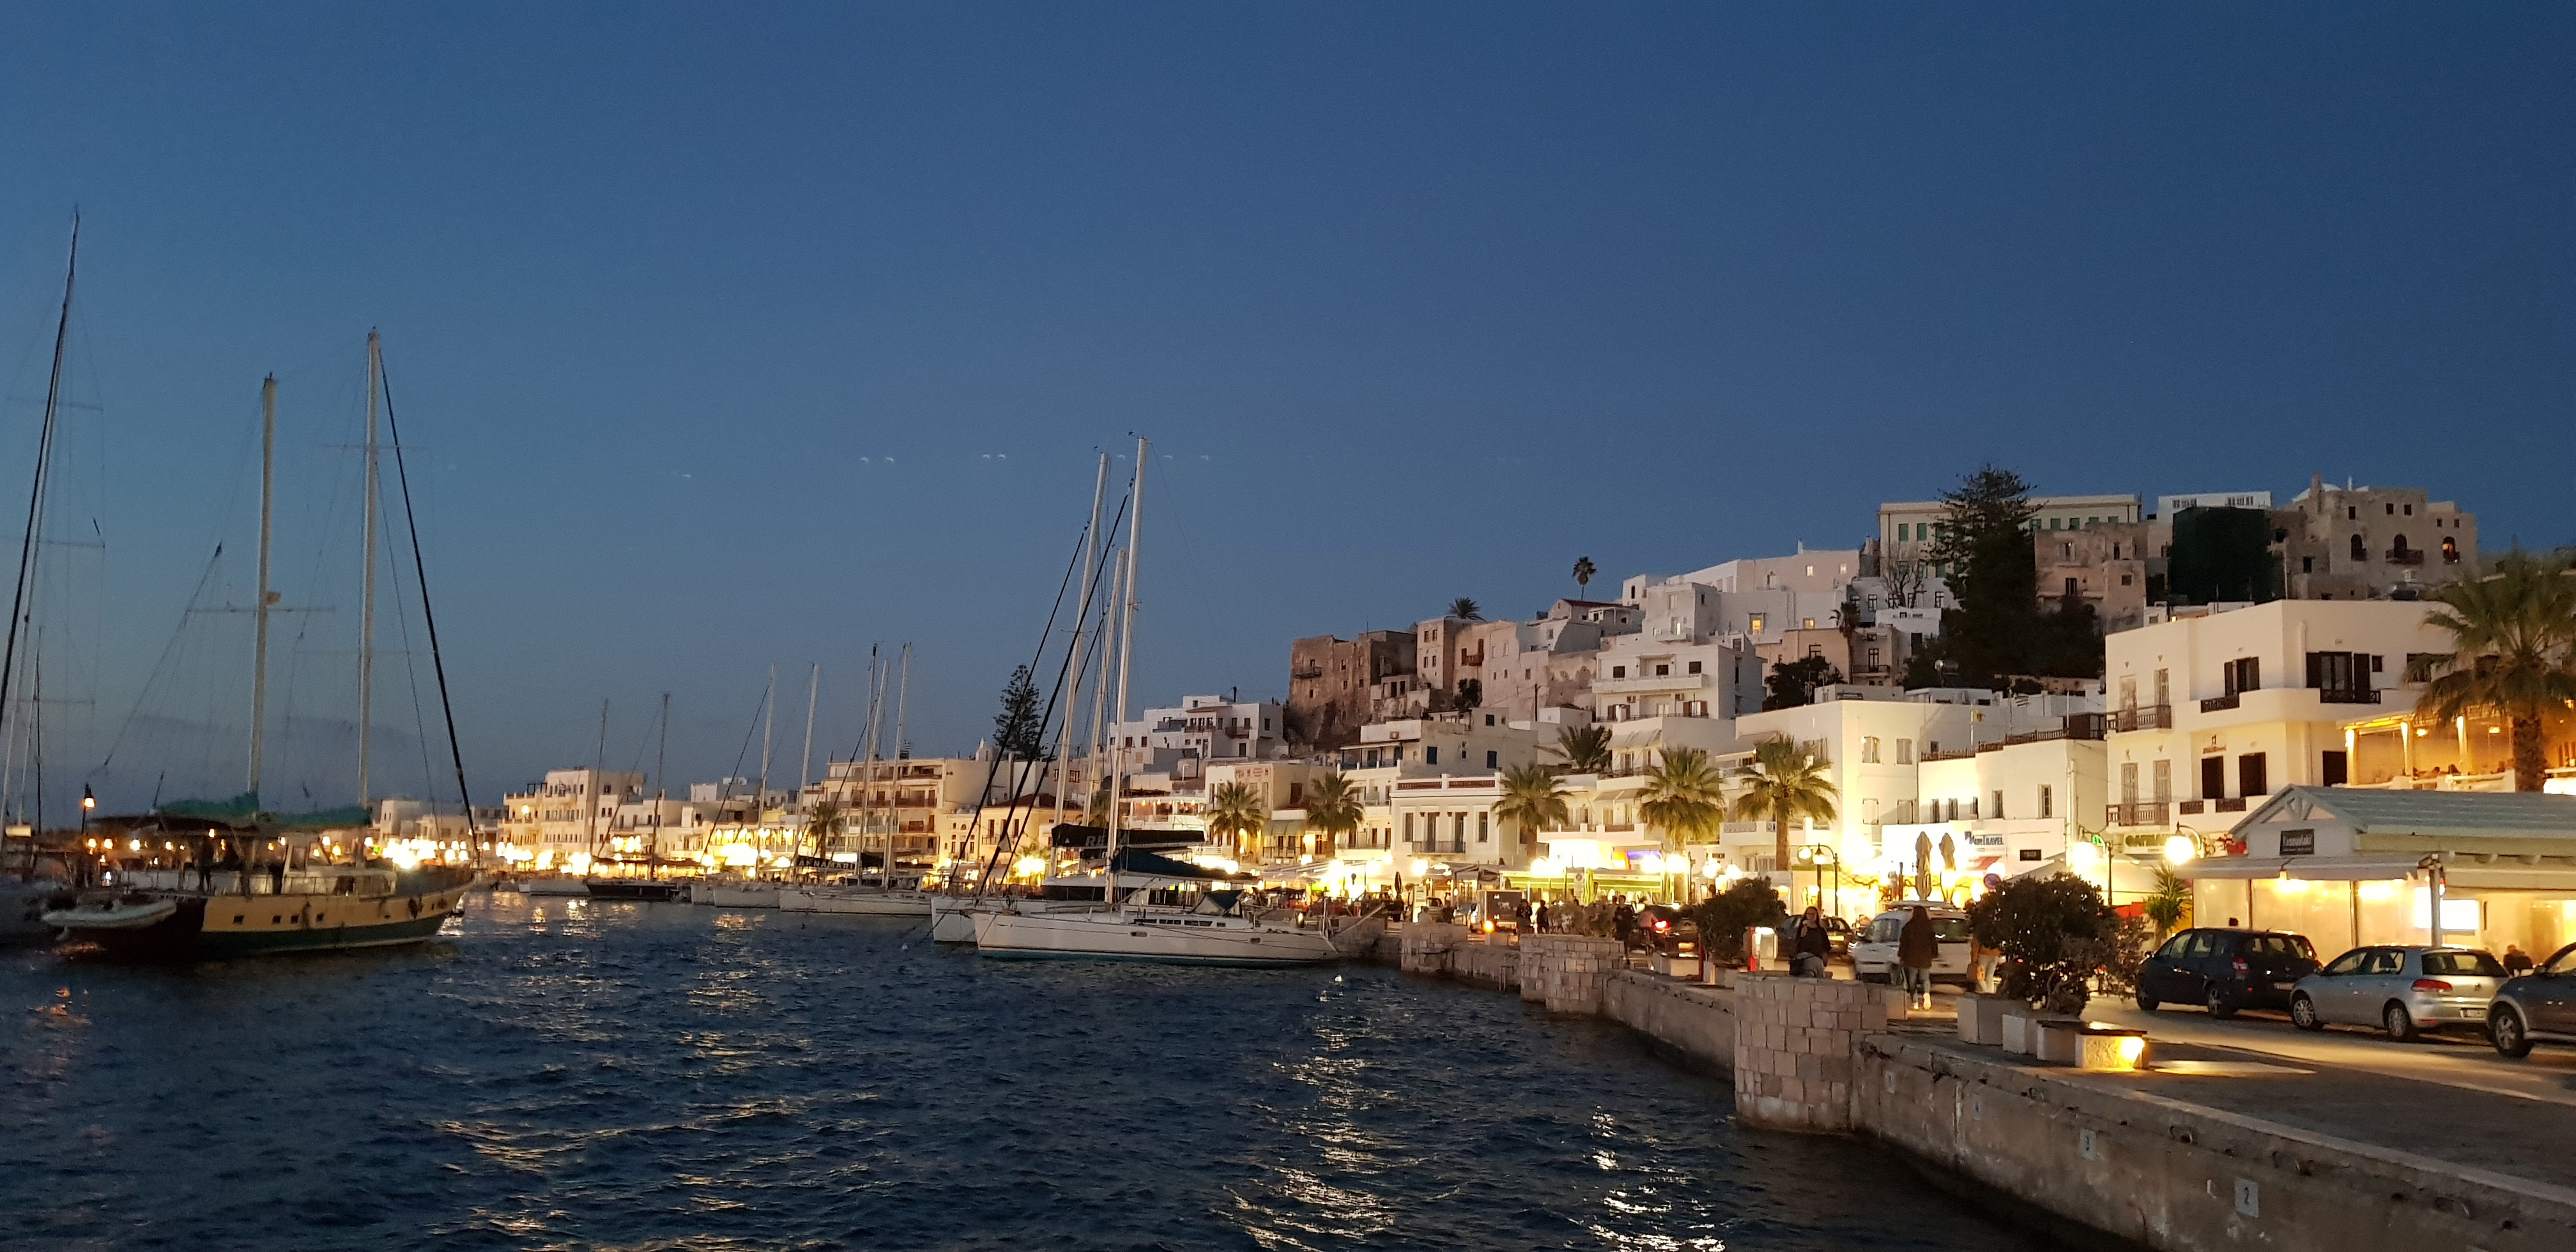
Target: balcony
(2333, 695)
(2140, 813)
(2406, 556)
(2236, 805)
(2189, 808)
(2220, 704)
(1667, 682)
(2149, 717)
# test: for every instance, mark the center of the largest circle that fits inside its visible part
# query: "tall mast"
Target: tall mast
(259, 611)
(876, 729)
(805, 767)
(1081, 619)
(661, 784)
(768, 718)
(367, 594)
(35, 524)
(1126, 655)
(590, 796)
(902, 693)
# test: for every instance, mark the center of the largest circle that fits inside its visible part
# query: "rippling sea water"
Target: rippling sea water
(570, 1074)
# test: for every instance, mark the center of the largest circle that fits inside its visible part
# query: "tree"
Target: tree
(1792, 684)
(1235, 812)
(2169, 903)
(1333, 810)
(1466, 608)
(1785, 783)
(1532, 800)
(1584, 569)
(1017, 731)
(1723, 918)
(1471, 692)
(1684, 798)
(2055, 933)
(1586, 749)
(1999, 629)
(821, 823)
(2513, 653)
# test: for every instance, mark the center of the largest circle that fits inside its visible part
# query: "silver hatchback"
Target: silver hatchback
(2402, 990)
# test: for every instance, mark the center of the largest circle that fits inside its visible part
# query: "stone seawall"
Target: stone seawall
(2164, 1174)
(2084, 1155)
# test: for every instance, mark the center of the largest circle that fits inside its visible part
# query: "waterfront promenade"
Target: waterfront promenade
(2237, 1132)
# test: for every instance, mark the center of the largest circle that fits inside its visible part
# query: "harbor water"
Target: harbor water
(564, 1073)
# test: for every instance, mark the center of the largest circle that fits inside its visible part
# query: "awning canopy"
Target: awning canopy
(2304, 868)
(1141, 863)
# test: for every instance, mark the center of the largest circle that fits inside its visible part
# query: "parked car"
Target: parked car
(1840, 933)
(2225, 970)
(1873, 952)
(1665, 928)
(2401, 990)
(2538, 1007)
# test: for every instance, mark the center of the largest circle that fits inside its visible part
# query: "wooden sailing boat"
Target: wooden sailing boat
(250, 889)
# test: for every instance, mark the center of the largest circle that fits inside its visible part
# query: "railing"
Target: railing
(2149, 717)
(2189, 808)
(2406, 556)
(2140, 813)
(2236, 805)
(1955, 754)
(2334, 695)
(2219, 704)
(1310, 672)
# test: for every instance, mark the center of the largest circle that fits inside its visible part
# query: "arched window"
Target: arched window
(2397, 548)
(2360, 550)
(2450, 551)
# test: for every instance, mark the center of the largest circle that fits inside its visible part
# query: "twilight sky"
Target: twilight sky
(727, 336)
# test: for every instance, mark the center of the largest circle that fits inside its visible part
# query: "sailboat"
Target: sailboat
(244, 888)
(26, 895)
(855, 894)
(1154, 908)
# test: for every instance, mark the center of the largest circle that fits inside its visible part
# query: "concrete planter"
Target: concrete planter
(2058, 1040)
(2019, 1038)
(1981, 1018)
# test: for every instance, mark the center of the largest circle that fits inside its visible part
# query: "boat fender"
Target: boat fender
(415, 906)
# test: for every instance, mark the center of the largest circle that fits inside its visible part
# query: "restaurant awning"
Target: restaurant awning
(2305, 868)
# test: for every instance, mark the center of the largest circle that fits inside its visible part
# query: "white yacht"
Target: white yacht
(854, 898)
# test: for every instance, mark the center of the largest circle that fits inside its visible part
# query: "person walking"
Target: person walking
(1623, 918)
(1812, 947)
(1916, 948)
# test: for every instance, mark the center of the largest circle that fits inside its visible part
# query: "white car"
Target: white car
(1873, 950)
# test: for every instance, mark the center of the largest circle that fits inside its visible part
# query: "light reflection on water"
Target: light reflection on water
(580, 1074)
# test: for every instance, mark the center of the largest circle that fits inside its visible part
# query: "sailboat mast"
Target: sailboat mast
(661, 785)
(259, 611)
(35, 522)
(805, 767)
(367, 593)
(768, 719)
(902, 694)
(590, 796)
(1126, 656)
(1081, 619)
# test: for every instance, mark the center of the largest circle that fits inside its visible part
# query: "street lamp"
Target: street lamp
(2110, 894)
(89, 803)
(1811, 851)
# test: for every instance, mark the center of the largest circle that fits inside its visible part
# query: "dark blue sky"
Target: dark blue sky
(741, 334)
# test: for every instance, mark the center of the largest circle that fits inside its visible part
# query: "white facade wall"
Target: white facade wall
(2287, 732)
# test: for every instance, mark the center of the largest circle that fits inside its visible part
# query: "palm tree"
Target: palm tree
(2512, 636)
(1466, 608)
(1784, 783)
(1532, 800)
(1684, 798)
(1333, 808)
(821, 822)
(1584, 569)
(1235, 811)
(1586, 749)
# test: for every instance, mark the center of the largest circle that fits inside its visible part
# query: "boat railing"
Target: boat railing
(342, 881)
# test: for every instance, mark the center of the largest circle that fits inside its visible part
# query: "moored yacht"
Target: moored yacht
(281, 907)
